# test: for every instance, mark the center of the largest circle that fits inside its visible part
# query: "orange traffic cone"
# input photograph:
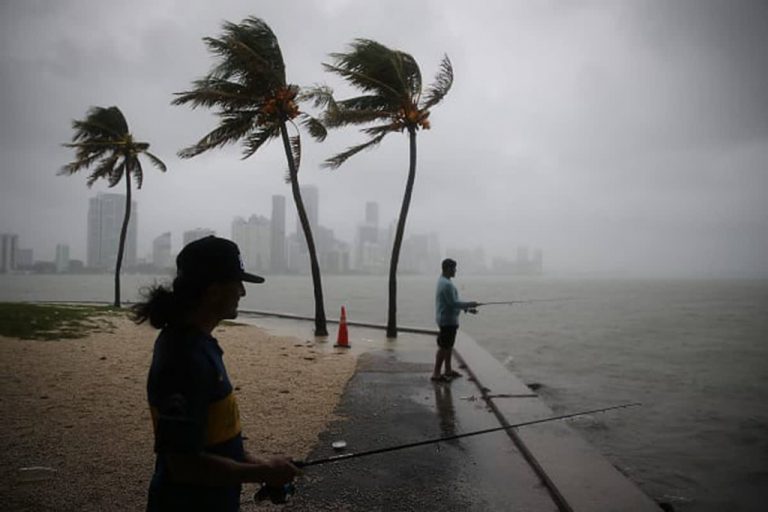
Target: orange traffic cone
(342, 340)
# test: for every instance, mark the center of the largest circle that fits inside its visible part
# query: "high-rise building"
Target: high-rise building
(420, 254)
(105, 221)
(62, 258)
(523, 265)
(24, 259)
(369, 253)
(471, 261)
(196, 234)
(254, 238)
(277, 257)
(8, 248)
(161, 251)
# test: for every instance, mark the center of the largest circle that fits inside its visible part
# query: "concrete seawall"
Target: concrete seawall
(576, 476)
(579, 476)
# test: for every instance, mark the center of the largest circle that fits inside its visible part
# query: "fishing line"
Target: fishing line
(346, 456)
(279, 494)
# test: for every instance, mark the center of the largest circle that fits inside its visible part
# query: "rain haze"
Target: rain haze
(620, 138)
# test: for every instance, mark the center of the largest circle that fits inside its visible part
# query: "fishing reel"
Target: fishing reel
(277, 494)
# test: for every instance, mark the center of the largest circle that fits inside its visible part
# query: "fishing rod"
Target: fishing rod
(474, 310)
(279, 494)
(509, 302)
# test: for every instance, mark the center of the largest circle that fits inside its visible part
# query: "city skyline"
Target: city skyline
(367, 252)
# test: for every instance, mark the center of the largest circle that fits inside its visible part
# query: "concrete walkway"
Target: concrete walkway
(391, 401)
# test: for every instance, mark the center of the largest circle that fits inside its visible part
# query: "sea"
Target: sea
(694, 352)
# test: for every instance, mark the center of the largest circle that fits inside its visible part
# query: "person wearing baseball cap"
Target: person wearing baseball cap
(201, 461)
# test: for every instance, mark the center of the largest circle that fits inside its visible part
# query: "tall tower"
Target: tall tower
(277, 242)
(105, 220)
(8, 249)
(62, 258)
(253, 238)
(367, 244)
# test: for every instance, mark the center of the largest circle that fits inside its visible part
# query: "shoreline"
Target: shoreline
(78, 406)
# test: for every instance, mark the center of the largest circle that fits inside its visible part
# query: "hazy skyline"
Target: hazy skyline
(619, 137)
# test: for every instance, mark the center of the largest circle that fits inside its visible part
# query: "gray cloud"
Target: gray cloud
(616, 136)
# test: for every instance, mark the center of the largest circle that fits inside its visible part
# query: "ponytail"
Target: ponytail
(166, 306)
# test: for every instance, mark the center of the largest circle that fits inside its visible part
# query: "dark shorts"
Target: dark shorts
(447, 336)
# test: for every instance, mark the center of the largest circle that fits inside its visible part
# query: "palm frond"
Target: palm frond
(382, 129)
(216, 92)
(135, 169)
(314, 126)
(87, 151)
(359, 110)
(369, 102)
(372, 67)
(336, 161)
(101, 124)
(105, 171)
(115, 174)
(408, 72)
(341, 117)
(80, 163)
(250, 52)
(156, 161)
(321, 96)
(440, 87)
(105, 168)
(362, 81)
(254, 140)
(234, 126)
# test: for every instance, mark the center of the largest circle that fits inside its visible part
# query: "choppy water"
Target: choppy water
(694, 352)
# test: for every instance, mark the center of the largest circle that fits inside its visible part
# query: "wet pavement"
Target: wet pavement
(391, 401)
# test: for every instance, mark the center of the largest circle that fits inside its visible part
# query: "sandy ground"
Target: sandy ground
(79, 407)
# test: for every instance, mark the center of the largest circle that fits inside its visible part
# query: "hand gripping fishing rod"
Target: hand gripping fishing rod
(279, 494)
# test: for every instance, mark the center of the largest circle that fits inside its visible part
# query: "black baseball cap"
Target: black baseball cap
(211, 259)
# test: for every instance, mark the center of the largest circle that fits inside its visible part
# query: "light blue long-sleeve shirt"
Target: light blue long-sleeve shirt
(447, 303)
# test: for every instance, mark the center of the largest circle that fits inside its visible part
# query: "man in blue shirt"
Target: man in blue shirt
(447, 309)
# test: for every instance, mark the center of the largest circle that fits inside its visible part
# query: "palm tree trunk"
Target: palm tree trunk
(320, 324)
(392, 312)
(123, 232)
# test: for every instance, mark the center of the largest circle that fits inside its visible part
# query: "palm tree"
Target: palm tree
(103, 139)
(255, 104)
(392, 101)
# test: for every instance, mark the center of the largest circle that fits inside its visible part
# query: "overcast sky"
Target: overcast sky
(615, 136)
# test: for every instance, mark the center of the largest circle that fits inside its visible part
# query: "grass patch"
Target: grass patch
(53, 322)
